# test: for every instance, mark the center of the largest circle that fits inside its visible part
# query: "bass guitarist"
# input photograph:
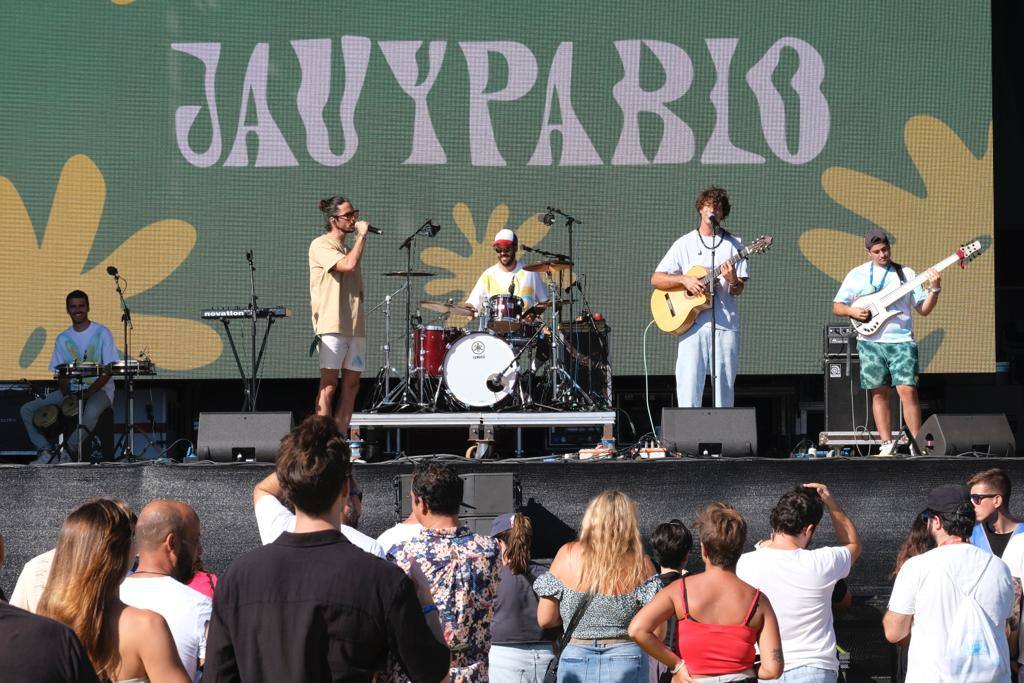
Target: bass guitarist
(709, 246)
(889, 357)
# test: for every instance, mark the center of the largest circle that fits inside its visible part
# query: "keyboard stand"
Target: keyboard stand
(248, 383)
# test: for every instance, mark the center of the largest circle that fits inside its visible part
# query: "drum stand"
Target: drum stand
(80, 395)
(382, 389)
(565, 393)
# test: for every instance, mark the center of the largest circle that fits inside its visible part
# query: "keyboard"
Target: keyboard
(228, 313)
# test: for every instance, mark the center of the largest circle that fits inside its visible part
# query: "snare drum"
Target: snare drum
(506, 313)
(430, 343)
(77, 370)
(470, 364)
(120, 368)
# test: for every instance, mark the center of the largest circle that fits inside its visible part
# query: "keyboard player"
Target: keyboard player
(336, 300)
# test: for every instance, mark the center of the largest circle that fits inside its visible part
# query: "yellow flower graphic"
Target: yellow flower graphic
(956, 207)
(35, 277)
(466, 269)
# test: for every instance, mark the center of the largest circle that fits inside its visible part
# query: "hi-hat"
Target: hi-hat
(409, 273)
(550, 266)
(446, 307)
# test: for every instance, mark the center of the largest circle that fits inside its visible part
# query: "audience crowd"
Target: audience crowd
(126, 599)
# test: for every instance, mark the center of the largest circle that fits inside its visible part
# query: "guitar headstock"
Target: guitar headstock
(968, 252)
(761, 244)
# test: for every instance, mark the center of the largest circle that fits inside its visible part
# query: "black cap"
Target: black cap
(874, 236)
(947, 498)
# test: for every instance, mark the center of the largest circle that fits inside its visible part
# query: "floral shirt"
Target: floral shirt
(463, 570)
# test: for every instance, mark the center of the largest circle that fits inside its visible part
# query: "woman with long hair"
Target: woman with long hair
(94, 553)
(607, 562)
(720, 618)
(520, 649)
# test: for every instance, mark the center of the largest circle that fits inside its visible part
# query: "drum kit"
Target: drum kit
(54, 421)
(511, 361)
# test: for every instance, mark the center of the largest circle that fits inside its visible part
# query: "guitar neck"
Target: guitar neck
(736, 258)
(894, 295)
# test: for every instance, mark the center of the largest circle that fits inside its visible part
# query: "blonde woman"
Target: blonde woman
(124, 644)
(608, 560)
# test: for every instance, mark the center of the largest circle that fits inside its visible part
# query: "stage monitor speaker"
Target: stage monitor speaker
(240, 437)
(955, 434)
(726, 432)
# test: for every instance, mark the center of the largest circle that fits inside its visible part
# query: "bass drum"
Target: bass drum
(470, 364)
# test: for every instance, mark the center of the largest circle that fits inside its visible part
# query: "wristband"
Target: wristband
(678, 667)
(427, 609)
(934, 290)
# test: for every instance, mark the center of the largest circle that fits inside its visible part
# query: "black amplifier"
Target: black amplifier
(839, 340)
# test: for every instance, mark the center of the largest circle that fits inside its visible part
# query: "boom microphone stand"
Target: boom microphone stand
(129, 377)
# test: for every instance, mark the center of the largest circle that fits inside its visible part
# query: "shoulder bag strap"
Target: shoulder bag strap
(574, 622)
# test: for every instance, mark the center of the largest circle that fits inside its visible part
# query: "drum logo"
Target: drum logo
(477, 348)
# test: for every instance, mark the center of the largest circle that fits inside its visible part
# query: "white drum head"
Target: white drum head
(471, 361)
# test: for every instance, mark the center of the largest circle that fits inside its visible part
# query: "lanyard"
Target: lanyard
(871, 277)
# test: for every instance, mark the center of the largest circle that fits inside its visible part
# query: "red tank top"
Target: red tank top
(711, 649)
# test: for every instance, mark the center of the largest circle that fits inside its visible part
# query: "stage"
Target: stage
(881, 496)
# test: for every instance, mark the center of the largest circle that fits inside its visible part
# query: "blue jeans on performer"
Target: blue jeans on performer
(809, 674)
(522, 663)
(693, 360)
(602, 663)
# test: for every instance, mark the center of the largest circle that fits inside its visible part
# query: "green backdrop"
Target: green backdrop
(168, 137)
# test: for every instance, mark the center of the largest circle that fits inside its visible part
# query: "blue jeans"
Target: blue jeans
(693, 359)
(809, 674)
(524, 663)
(603, 663)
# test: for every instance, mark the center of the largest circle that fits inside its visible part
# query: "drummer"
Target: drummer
(84, 342)
(507, 277)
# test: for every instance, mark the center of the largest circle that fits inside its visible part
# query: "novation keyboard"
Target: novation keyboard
(246, 312)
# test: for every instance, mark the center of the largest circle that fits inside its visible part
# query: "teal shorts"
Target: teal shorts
(884, 365)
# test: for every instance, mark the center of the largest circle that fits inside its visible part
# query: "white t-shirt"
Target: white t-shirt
(32, 580)
(923, 588)
(186, 611)
(1013, 558)
(867, 279)
(495, 280)
(93, 344)
(799, 585)
(689, 251)
(273, 519)
(399, 533)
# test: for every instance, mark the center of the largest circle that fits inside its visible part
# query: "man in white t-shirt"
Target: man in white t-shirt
(799, 581)
(84, 342)
(889, 357)
(167, 539)
(709, 246)
(507, 277)
(929, 589)
(400, 533)
(273, 518)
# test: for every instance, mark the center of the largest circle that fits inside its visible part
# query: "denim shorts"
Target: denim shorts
(602, 663)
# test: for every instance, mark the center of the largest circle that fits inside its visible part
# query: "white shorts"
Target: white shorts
(337, 352)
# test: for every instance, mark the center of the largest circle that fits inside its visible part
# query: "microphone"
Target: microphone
(494, 382)
(375, 231)
(549, 217)
(112, 271)
(512, 288)
(713, 219)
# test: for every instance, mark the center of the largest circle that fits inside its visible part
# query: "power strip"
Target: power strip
(652, 453)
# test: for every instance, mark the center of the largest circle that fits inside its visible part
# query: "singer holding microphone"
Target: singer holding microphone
(336, 300)
(710, 245)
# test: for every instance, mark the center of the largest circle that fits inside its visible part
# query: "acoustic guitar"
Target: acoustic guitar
(878, 303)
(675, 310)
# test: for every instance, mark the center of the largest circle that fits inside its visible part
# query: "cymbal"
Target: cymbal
(549, 266)
(446, 307)
(409, 273)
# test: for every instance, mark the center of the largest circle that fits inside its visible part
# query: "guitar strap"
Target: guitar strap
(899, 272)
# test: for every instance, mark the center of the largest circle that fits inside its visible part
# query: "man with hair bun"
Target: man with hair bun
(336, 302)
(311, 606)
(928, 598)
(800, 582)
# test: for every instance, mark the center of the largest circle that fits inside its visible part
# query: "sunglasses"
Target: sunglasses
(976, 498)
(349, 214)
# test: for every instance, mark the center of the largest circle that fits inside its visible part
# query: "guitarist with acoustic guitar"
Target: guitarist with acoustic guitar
(694, 254)
(888, 355)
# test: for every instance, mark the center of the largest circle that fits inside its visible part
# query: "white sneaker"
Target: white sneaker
(887, 448)
(47, 456)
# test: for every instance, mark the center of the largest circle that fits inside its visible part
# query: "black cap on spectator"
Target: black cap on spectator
(947, 498)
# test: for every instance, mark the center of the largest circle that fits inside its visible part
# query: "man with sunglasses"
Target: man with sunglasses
(995, 526)
(336, 301)
(507, 276)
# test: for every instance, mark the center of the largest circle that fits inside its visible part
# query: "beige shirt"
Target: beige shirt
(32, 581)
(336, 299)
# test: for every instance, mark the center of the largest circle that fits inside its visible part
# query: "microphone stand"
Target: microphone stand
(250, 386)
(712, 286)
(129, 382)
